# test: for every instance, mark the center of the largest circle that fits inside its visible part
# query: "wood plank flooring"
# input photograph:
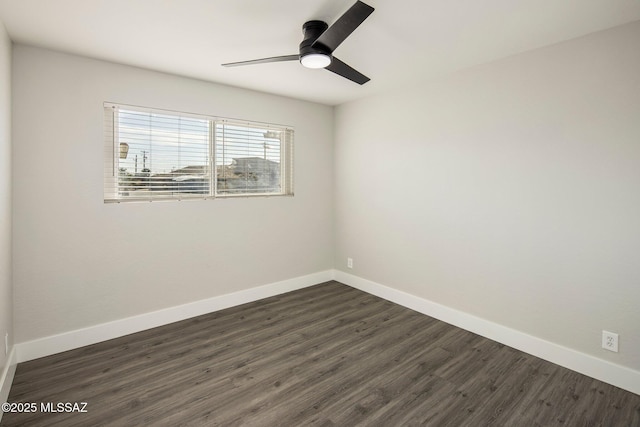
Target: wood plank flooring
(327, 355)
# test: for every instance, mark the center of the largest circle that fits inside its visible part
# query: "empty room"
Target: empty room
(329, 212)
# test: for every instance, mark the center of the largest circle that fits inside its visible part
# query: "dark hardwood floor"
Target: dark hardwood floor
(328, 355)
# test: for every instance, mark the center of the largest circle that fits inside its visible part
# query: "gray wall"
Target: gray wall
(6, 291)
(510, 191)
(79, 262)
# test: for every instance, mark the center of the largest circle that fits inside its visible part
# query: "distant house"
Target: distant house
(192, 179)
(249, 175)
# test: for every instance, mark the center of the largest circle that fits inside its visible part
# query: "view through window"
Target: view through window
(154, 154)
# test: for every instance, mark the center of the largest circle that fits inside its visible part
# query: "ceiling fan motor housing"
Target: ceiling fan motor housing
(311, 31)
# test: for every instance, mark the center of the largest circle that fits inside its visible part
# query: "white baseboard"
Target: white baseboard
(591, 366)
(7, 377)
(47, 346)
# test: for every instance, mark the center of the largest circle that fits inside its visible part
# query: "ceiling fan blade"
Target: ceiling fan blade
(343, 27)
(344, 70)
(264, 60)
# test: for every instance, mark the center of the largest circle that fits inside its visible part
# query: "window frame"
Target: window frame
(113, 187)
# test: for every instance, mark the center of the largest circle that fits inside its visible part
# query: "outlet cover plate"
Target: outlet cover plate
(610, 341)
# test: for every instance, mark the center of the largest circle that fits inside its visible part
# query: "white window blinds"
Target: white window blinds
(156, 155)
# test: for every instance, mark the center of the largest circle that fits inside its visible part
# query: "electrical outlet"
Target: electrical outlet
(610, 341)
(349, 262)
(6, 343)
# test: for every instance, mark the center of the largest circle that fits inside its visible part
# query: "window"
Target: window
(163, 155)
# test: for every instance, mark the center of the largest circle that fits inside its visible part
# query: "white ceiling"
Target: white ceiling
(402, 41)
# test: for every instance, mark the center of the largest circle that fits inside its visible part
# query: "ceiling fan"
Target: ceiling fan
(320, 40)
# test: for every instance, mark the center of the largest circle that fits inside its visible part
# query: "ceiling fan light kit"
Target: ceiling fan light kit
(315, 60)
(319, 42)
